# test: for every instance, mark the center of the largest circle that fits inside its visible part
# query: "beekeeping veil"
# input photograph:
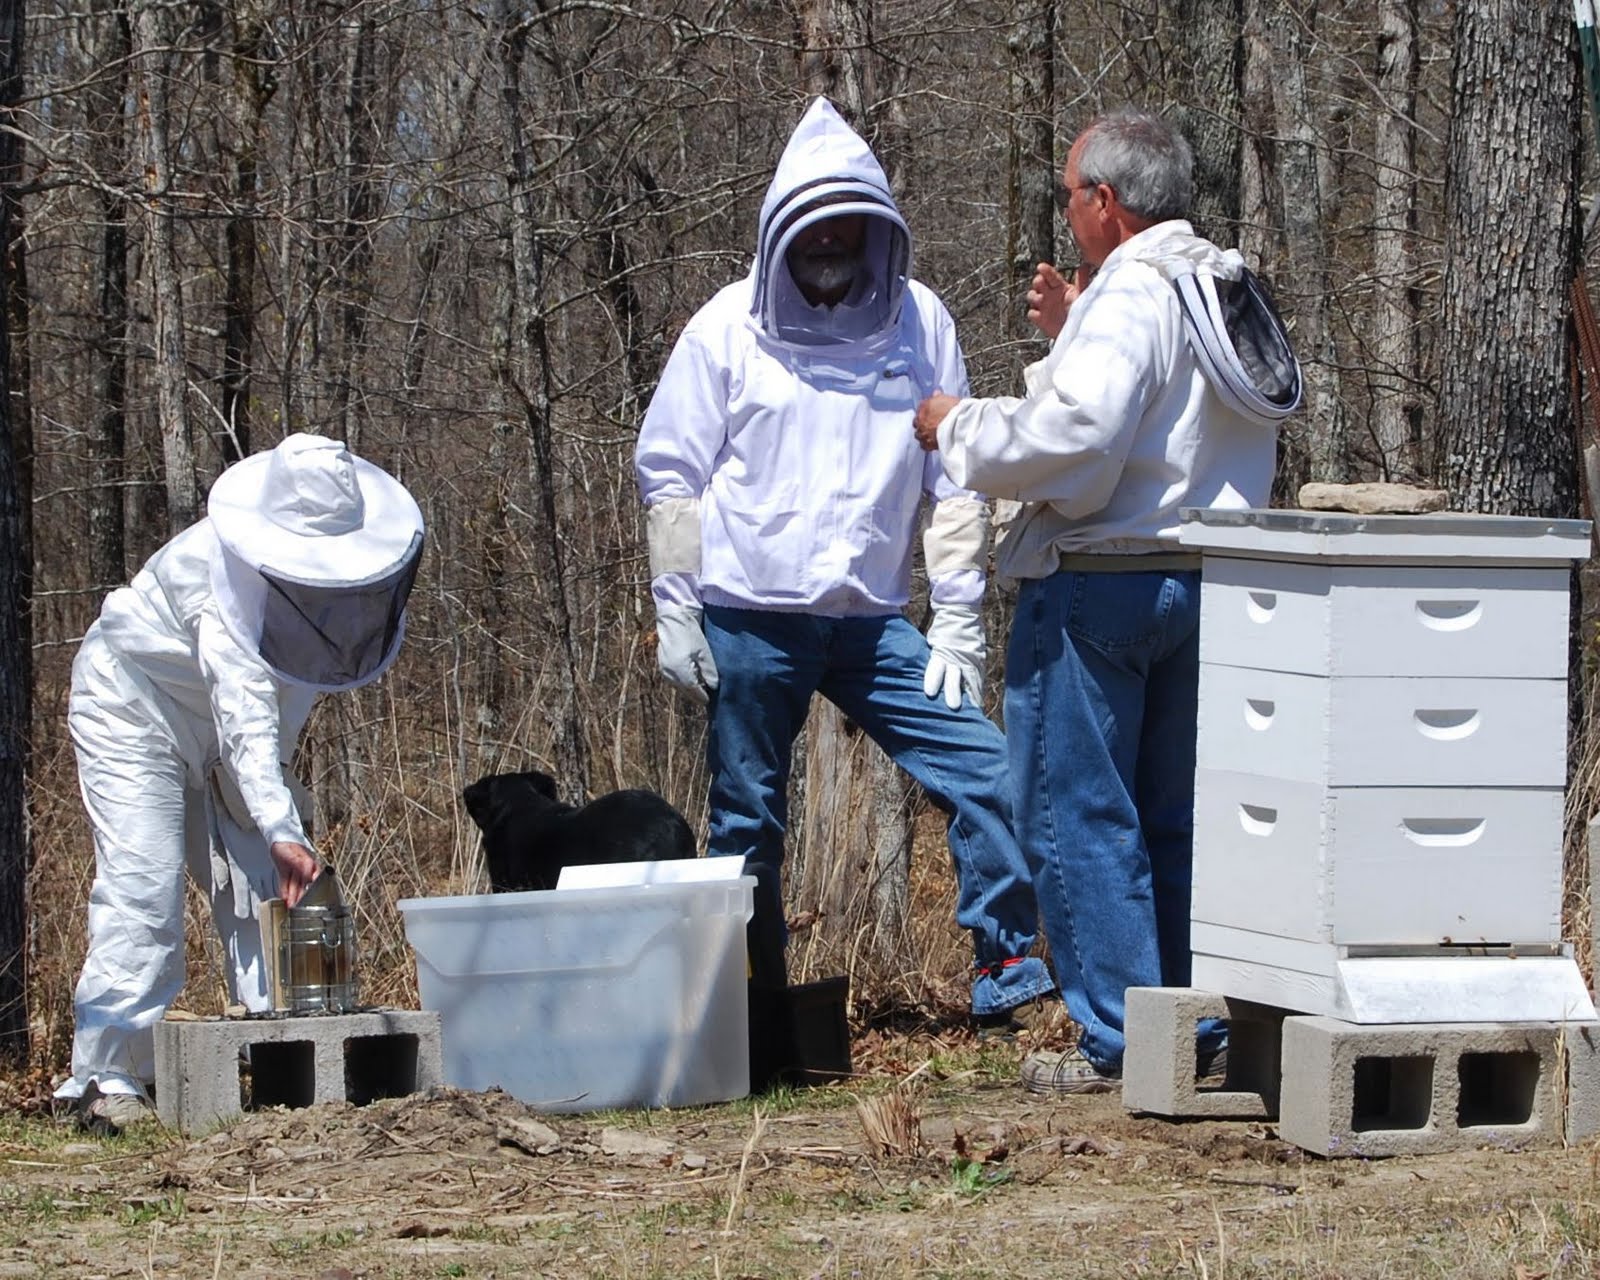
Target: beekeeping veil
(317, 552)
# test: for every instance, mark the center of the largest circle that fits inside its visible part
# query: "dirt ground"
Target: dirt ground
(933, 1162)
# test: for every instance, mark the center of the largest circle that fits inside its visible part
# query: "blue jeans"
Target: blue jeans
(1102, 679)
(769, 664)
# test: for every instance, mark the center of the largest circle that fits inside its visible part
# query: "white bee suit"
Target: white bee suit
(776, 461)
(182, 735)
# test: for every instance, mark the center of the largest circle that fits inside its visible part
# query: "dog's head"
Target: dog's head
(514, 811)
(500, 797)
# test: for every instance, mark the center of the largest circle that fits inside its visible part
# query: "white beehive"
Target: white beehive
(1380, 764)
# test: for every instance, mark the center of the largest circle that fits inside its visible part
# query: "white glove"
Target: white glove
(682, 652)
(956, 637)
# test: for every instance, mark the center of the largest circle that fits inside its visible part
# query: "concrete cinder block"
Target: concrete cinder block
(1360, 1090)
(1580, 1044)
(295, 1061)
(1158, 1067)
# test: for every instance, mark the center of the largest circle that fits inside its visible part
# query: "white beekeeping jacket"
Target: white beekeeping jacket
(781, 432)
(1121, 428)
(220, 702)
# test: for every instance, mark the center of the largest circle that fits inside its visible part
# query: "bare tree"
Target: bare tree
(524, 377)
(155, 58)
(104, 107)
(1395, 401)
(16, 669)
(1305, 279)
(254, 81)
(1033, 171)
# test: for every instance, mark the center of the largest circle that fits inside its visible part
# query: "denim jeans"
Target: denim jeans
(769, 664)
(1102, 677)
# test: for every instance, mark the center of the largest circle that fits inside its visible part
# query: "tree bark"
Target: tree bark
(1305, 278)
(1505, 441)
(1257, 152)
(1209, 34)
(1034, 171)
(1395, 410)
(16, 668)
(525, 379)
(104, 109)
(361, 124)
(253, 86)
(154, 58)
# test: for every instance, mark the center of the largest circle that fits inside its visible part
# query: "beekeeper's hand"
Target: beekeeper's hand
(956, 638)
(297, 868)
(682, 652)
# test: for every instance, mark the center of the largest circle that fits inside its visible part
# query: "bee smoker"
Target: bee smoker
(312, 949)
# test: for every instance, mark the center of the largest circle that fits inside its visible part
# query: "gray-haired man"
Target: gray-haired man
(1120, 428)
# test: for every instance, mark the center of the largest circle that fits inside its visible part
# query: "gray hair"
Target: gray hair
(1143, 159)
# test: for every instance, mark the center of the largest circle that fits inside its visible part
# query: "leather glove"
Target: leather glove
(956, 638)
(682, 652)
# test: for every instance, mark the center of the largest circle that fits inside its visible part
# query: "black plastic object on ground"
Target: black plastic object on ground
(799, 1034)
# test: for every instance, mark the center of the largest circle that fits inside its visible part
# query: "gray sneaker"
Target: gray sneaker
(105, 1115)
(1048, 1073)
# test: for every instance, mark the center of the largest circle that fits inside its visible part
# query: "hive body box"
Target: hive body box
(1380, 764)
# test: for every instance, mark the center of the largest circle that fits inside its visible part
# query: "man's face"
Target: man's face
(1085, 212)
(824, 258)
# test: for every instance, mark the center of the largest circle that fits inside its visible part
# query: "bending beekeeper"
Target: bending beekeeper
(188, 696)
(783, 492)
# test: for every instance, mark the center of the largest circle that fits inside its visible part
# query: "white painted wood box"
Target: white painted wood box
(1381, 763)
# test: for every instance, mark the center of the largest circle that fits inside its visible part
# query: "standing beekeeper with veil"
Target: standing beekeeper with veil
(188, 696)
(783, 496)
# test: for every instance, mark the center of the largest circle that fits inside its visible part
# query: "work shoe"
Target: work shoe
(105, 1115)
(1005, 1025)
(1050, 1073)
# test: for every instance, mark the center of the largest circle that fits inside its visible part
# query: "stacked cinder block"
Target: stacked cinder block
(1159, 1069)
(292, 1061)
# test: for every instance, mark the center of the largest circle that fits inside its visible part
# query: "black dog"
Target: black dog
(529, 835)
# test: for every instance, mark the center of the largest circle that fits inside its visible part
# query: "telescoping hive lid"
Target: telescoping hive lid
(1441, 537)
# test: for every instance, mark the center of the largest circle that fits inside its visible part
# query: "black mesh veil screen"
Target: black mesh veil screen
(335, 634)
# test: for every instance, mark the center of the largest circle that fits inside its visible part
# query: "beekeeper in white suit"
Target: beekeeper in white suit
(783, 494)
(188, 696)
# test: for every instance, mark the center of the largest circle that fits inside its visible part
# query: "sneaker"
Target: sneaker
(1066, 1073)
(105, 1115)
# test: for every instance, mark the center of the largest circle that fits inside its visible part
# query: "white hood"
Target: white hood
(1174, 250)
(1236, 334)
(827, 160)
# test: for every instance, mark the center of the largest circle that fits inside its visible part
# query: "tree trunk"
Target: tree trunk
(1305, 277)
(154, 59)
(16, 668)
(107, 94)
(253, 86)
(1395, 408)
(1034, 171)
(1209, 34)
(834, 61)
(361, 206)
(1511, 243)
(525, 380)
(1257, 153)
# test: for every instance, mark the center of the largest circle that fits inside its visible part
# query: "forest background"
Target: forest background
(463, 237)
